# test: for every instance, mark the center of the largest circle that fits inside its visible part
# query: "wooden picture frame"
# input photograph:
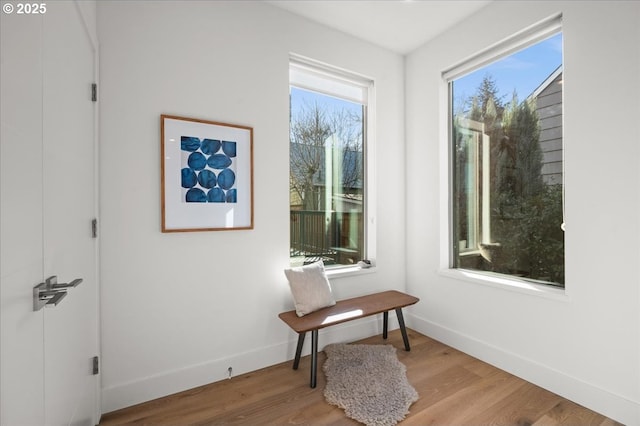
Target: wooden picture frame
(206, 174)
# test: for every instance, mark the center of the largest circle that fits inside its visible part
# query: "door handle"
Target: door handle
(52, 283)
(50, 292)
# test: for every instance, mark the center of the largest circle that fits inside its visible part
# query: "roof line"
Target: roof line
(546, 83)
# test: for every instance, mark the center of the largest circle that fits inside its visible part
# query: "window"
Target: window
(327, 159)
(507, 158)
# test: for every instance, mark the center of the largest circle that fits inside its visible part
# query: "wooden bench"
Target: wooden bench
(343, 311)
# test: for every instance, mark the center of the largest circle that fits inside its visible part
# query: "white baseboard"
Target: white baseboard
(170, 382)
(597, 399)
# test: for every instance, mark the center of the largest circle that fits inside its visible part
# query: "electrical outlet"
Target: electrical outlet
(230, 371)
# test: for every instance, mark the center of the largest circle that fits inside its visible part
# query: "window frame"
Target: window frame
(516, 42)
(341, 78)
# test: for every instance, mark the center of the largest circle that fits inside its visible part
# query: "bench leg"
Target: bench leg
(296, 360)
(403, 329)
(314, 357)
(385, 324)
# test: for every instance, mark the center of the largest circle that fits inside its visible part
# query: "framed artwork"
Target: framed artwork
(207, 175)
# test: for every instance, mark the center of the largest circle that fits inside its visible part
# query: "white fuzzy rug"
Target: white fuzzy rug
(368, 382)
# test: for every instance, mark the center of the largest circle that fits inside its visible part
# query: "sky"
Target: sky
(522, 71)
(300, 96)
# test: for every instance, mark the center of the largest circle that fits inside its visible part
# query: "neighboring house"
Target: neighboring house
(349, 196)
(549, 107)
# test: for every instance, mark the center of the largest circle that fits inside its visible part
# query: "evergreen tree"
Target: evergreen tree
(521, 128)
(486, 106)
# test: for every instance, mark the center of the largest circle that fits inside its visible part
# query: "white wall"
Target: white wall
(584, 344)
(178, 309)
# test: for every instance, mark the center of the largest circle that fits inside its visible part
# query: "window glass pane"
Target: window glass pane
(507, 159)
(326, 179)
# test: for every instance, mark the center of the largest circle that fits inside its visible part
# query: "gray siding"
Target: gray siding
(549, 107)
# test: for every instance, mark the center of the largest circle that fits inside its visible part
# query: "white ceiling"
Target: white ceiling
(398, 25)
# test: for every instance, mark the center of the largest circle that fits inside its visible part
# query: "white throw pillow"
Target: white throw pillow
(310, 288)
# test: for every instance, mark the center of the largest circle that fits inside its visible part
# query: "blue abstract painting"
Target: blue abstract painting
(208, 172)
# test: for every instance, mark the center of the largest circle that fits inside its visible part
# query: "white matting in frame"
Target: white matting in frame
(207, 175)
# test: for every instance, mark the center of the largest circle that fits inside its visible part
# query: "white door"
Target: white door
(21, 260)
(49, 362)
(70, 329)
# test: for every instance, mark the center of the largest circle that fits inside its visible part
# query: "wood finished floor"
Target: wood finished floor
(454, 389)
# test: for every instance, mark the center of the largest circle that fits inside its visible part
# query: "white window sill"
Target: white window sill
(506, 283)
(348, 271)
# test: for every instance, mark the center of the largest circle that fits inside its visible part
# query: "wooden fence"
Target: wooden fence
(327, 236)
